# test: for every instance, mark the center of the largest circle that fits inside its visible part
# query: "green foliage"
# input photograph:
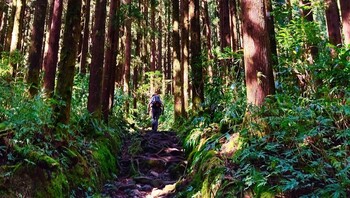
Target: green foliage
(297, 143)
(81, 162)
(302, 155)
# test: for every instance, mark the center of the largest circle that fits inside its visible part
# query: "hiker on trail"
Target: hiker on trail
(155, 103)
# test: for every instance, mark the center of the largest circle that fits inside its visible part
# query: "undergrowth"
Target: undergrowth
(32, 154)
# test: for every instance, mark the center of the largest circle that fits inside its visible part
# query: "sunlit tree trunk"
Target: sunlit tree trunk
(145, 57)
(160, 50)
(35, 51)
(14, 15)
(97, 53)
(257, 52)
(85, 39)
(176, 62)
(2, 11)
(184, 54)
(153, 45)
(67, 62)
(127, 62)
(345, 14)
(208, 35)
(333, 22)
(48, 19)
(14, 28)
(110, 60)
(168, 53)
(196, 61)
(51, 56)
(21, 36)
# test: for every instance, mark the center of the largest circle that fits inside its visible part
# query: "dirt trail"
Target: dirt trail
(153, 171)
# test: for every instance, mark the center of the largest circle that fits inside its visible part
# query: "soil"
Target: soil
(149, 166)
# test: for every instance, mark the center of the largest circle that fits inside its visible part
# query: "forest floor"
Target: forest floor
(150, 165)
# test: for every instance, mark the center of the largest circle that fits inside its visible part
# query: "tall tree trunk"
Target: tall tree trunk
(184, 53)
(12, 18)
(21, 41)
(224, 36)
(3, 26)
(137, 67)
(176, 62)
(48, 20)
(168, 52)
(98, 39)
(208, 35)
(160, 43)
(2, 11)
(51, 56)
(110, 60)
(85, 39)
(153, 46)
(15, 31)
(234, 25)
(345, 14)
(67, 62)
(35, 52)
(271, 30)
(114, 58)
(160, 50)
(333, 22)
(196, 62)
(257, 52)
(127, 63)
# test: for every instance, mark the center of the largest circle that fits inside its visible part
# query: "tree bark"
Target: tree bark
(271, 30)
(257, 52)
(98, 39)
(224, 36)
(153, 47)
(110, 60)
(345, 14)
(168, 54)
(67, 62)
(14, 30)
(3, 26)
(127, 63)
(51, 56)
(333, 22)
(176, 62)
(35, 52)
(85, 39)
(184, 54)
(196, 62)
(208, 35)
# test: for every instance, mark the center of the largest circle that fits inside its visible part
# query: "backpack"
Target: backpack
(156, 102)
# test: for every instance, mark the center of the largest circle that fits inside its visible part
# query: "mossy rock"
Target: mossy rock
(26, 180)
(106, 161)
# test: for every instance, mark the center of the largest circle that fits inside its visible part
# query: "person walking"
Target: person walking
(155, 105)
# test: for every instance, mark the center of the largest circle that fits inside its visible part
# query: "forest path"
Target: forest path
(153, 171)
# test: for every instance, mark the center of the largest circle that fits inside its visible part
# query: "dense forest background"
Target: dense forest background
(257, 90)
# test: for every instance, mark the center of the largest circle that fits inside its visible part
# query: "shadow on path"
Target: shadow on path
(153, 171)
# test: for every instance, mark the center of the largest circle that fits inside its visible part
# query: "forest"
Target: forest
(255, 93)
